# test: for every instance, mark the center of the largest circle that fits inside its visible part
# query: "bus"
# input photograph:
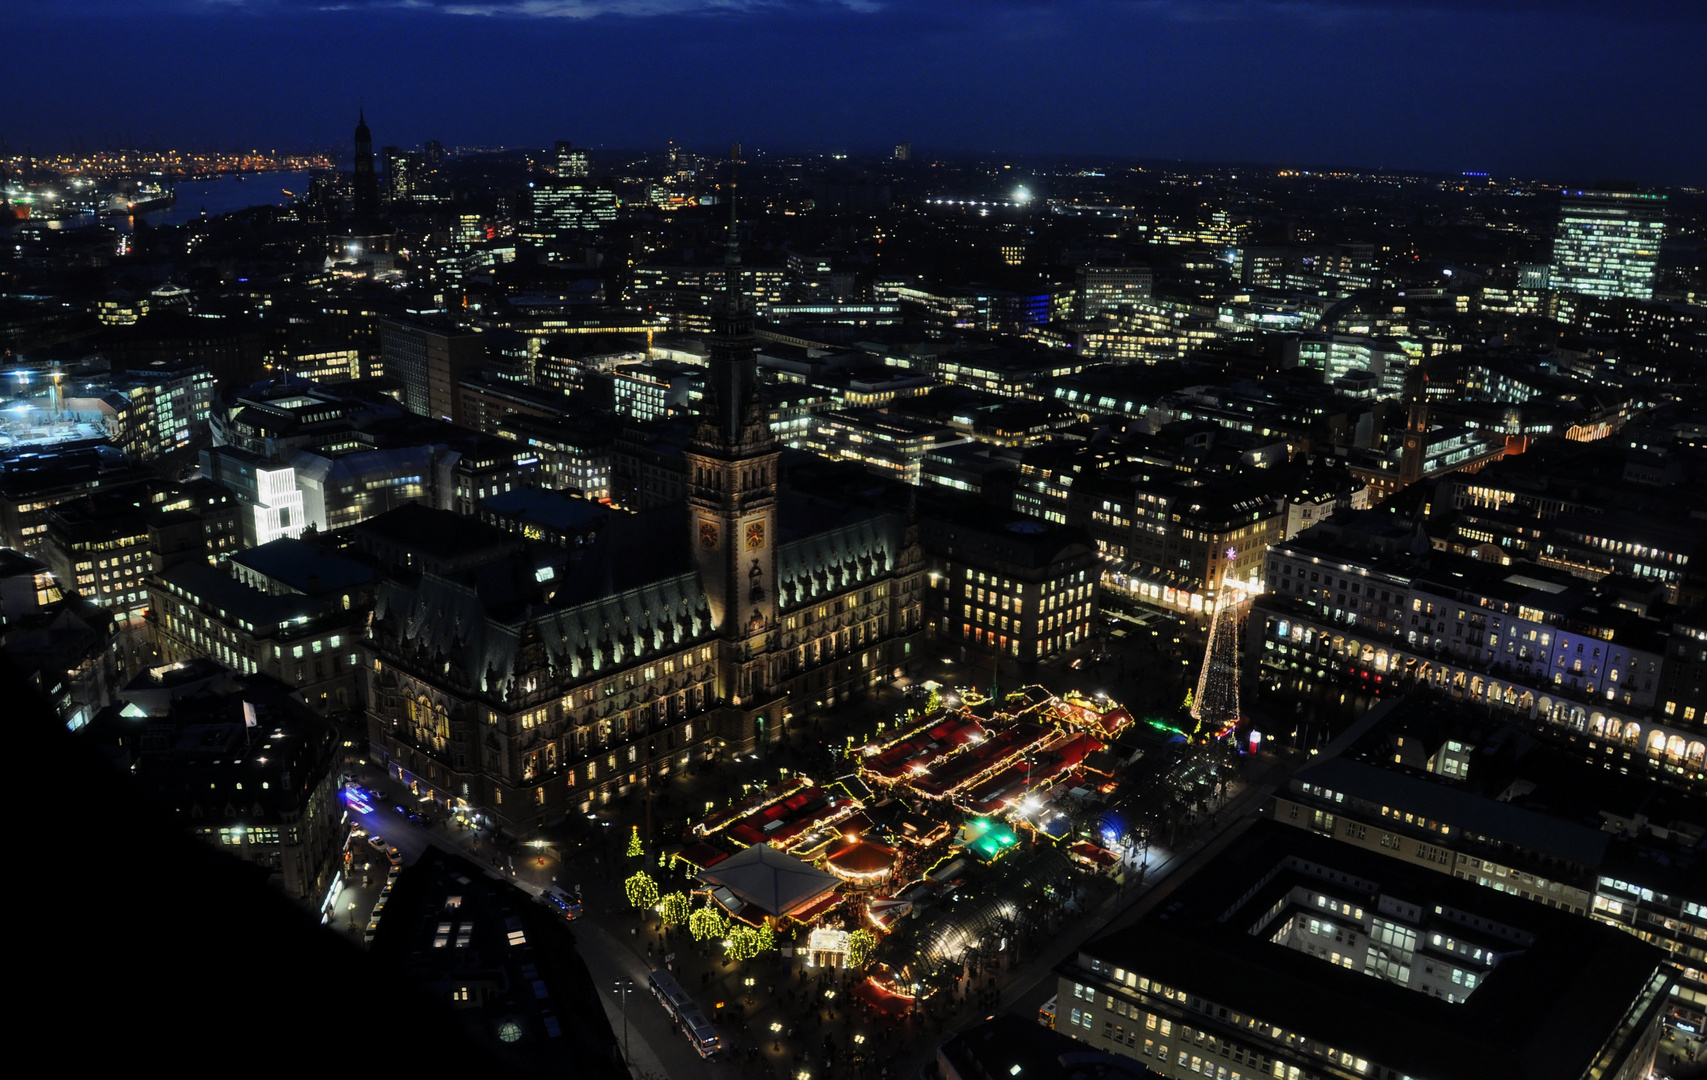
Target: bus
(686, 1014)
(1046, 1015)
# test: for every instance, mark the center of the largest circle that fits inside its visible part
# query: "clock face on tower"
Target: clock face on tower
(708, 534)
(755, 535)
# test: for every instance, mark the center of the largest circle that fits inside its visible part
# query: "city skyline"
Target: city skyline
(792, 540)
(1574, 94)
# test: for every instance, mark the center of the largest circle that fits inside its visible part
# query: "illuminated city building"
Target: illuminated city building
(158, 410)
(99, 545)
(62, 643)
(654, 389)
(323, 363)
(430, 359)
(311, 644)
(241, 762)
(886, 443)
(1608, 243)
(1005, 584)
(1363, 599)
(1099, 289)
(1289, 955)
(574, 452)
(685, 294)
(1422, 780)
(684, 631)
(405, 173)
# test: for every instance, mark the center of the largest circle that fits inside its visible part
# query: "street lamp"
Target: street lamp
(622, 987)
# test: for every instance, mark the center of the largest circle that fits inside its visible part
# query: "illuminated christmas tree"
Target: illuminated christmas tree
(1215, 706)
(634, 848)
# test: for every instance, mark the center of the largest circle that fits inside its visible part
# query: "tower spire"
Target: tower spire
(731, 416)
(734, 256)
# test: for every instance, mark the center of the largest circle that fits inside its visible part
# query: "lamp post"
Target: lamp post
(622, 988)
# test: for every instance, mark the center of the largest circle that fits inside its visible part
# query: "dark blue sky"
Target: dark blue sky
(1571, 90)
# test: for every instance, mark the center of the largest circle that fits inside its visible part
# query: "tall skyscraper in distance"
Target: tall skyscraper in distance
(568, 203)
(903, 151)
(435, 154)
(364, 188)
(404, 172)
(1608, 243)
(570, 161)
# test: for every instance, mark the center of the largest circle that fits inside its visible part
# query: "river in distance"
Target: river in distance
(224, 195)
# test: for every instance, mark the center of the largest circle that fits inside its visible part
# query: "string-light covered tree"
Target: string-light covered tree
(861, 944)
(674, 908)
(743, 942)
(707, 924)
(1215, 706)
(634, 848)
(642, 890)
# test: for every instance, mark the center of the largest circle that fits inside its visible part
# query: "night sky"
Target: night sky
(1571, 90)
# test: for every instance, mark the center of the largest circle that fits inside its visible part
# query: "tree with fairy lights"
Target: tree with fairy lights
(1215, 706)
(861, 944)
(707, 923)
(634, 848)
(642, 890)
(742, 943)
(674, 909)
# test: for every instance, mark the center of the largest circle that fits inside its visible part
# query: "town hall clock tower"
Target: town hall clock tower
(732, 492)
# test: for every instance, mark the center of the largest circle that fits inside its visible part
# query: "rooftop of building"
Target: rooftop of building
(962, 524)
(261, 613)
(1544, 1011)
(552, 509)
(529, 998)
(432, 533)
(304, 566)
(1518, 792)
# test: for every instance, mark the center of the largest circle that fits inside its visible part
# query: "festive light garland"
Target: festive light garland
(1216, 704)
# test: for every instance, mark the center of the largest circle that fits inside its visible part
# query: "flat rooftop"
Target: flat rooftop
(1541, 1013)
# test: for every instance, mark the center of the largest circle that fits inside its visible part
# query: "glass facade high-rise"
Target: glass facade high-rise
(1608, 243)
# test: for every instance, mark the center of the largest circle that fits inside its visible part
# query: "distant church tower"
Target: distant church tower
(1416, 427)
(732, 493)
(365, 187)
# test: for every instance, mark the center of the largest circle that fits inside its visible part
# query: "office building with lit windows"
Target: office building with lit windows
(323, 363)
(1445, 787)
(241, 762)
(1288, 955)
(1003, 583)
(1363, 599)
(1608, 243)
(158, 409)
(63, 644)
(885, 443)
(1100, 289)
(307, 643)
(430, 359)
